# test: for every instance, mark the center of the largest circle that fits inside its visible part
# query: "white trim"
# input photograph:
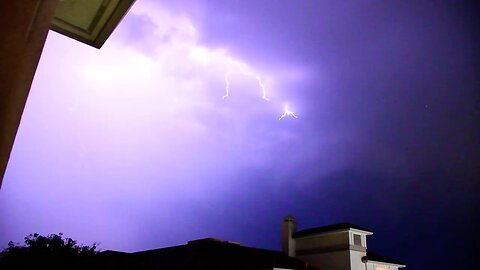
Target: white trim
(361, 231)
(385, 263)
(334, 232)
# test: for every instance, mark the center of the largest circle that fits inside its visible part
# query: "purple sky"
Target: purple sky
(134, 147)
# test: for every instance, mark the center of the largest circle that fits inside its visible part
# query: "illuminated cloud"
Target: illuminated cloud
(176, 51)
(134, 146)
(141, 121)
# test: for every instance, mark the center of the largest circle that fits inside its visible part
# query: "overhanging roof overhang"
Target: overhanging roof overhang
(89, 21)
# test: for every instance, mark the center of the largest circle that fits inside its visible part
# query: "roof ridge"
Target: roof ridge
(330, 228)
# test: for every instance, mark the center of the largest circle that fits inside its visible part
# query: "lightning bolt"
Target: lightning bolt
(227, 85)
(243, 69)
(287, 112)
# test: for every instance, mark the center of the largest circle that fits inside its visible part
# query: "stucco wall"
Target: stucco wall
(322, 241)
(25, 25)
(338, 260)
(356, 260)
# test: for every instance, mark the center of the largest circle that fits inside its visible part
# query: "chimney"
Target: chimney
(289, 227)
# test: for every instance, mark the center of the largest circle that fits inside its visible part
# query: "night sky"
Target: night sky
(134, 147)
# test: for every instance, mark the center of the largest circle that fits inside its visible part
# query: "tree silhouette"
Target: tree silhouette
(47, 252)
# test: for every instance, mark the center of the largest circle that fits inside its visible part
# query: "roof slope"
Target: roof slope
(201, 255)
(372, 256)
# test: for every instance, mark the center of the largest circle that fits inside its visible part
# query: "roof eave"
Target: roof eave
(106, 29)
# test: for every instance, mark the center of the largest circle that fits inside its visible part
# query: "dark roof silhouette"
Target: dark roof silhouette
(372, 256)
(329, 228)
(200, 254)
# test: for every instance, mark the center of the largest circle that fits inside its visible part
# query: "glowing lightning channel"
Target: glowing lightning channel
(242, 68)
(227, 85)
(287, 112)
(264, 90)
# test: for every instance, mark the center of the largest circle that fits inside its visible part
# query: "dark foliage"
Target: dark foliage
(47, 252)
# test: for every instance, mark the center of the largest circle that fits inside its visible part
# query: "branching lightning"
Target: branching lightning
(243, 69)
(287, 112)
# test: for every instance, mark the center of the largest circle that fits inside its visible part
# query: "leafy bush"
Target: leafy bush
(47, 252)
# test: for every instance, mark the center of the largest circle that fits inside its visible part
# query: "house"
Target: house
(340, 246)
(335, 247)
